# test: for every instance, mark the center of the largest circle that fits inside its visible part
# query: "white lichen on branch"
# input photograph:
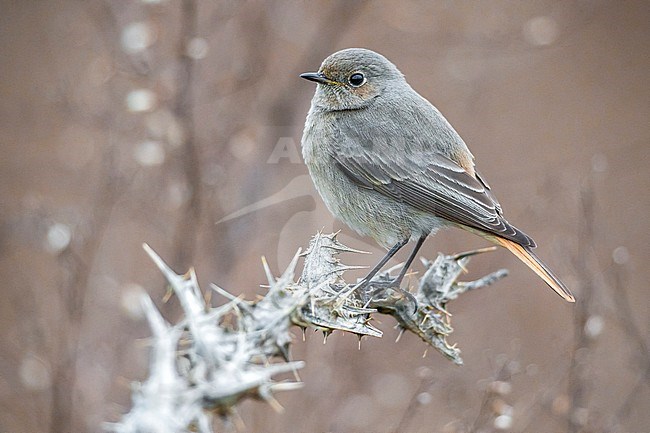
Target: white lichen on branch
(217, 356)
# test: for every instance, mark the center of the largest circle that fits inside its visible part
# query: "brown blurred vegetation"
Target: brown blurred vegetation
(124, 122)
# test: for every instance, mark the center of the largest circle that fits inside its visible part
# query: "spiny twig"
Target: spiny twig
(217, 356)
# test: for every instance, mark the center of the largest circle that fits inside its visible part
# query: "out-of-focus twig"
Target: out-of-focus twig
(415, 401)
(188, 223)
(578, 393)
(78, 262)
(626, 318)
(493, 409)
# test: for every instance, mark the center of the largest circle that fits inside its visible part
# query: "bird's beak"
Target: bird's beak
(318, 77)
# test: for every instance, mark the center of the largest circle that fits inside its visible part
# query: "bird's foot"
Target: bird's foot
(383, 281)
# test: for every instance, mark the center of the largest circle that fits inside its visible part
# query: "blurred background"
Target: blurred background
(178, 123)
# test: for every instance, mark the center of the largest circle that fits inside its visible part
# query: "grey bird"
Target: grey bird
(389, 165)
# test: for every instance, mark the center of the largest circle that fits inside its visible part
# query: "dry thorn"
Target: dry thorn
(242, 339)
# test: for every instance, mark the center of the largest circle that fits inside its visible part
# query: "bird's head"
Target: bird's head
(352, 79)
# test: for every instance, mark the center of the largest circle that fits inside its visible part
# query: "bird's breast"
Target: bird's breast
(367, 212)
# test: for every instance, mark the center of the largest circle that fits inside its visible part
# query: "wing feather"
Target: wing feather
(432, 183)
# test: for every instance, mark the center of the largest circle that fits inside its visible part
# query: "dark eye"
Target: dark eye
(357, 79)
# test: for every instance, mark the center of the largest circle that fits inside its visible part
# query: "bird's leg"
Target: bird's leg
(382, 262)
(398, 281)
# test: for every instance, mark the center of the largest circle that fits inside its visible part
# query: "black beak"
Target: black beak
(316, 76)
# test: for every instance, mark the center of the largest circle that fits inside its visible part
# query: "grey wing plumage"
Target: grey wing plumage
(431, 183)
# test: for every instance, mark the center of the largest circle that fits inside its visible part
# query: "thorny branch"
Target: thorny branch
(218, 356)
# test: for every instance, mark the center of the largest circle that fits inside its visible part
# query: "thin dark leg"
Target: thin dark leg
(384, 260)
(400, 277)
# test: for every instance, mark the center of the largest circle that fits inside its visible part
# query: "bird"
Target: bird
(388, 164)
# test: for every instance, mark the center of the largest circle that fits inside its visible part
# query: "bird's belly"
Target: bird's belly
(368, 212)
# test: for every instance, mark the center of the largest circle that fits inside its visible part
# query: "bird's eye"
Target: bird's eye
(357, 79)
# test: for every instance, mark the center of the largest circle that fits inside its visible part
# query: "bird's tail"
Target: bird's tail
(526, 255)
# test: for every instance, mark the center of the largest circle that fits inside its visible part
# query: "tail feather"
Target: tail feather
(526, 255)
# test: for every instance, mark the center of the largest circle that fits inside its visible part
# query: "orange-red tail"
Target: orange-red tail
(526, 255)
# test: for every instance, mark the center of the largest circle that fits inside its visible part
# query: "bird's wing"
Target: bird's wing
(488, 191)
(432, 183)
